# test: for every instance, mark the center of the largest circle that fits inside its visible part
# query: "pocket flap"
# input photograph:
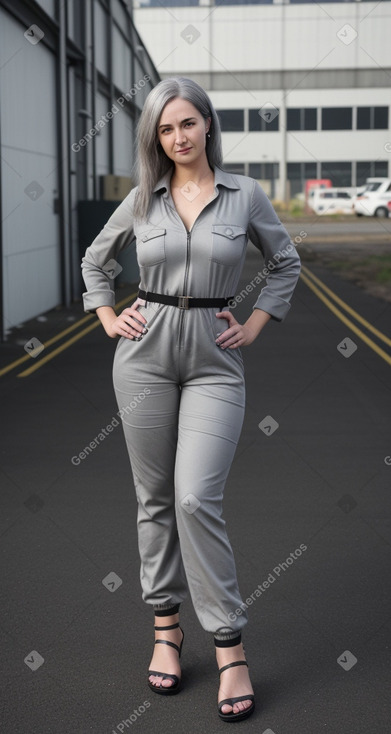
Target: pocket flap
(150, 234)
(228, 230)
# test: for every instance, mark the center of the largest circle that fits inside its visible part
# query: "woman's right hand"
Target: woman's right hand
(129, 324)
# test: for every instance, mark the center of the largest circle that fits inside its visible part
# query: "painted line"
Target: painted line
(53, 340)
(57, 351)
(347, 308)
(71, 341)
(369, 342)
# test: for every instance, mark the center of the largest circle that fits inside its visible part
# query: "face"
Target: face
(182, 131)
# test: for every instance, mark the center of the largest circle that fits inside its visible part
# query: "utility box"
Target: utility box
(115, 188)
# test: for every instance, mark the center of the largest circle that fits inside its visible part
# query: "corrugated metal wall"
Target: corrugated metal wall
(29, 176)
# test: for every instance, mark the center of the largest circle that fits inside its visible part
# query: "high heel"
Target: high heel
(170, 690)
(240, 715)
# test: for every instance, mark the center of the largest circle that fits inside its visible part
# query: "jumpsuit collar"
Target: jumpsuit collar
(222, 178)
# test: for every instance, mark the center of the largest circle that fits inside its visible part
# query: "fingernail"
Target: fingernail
(145, 331)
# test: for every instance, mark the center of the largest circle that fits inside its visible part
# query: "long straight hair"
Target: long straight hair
(152, 162)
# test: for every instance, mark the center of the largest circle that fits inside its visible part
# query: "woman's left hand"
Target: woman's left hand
(237, 335)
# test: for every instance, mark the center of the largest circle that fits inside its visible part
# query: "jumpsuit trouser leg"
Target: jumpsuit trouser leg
(181, 439)
(181, 442)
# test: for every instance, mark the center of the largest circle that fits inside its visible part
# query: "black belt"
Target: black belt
(184, 301)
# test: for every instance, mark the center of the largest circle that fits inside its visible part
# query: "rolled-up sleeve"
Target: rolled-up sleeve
(99, 259)
(282, 261)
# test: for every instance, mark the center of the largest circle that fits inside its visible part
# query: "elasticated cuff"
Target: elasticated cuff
(166, 610)
(227, 639)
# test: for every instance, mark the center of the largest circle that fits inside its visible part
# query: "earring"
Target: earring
(208, 135)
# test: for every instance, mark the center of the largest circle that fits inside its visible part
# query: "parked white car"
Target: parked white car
(373, 201)
(333, 200)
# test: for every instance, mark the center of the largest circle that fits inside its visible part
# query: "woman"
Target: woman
(178, 363)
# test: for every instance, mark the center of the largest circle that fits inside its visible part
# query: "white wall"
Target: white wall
(276, 38)
(253, 37)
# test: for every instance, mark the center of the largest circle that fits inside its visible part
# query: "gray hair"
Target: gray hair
(152, 162)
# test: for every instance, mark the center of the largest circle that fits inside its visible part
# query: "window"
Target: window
(293, 119)
(310, 118)
(264, 119)
(339, 172)
(301, 170)
(336, 118)
(301, 119)
(231, 120)
(297, 174)
(380, 118)
(243, 2)
(363, 118)
(264, 171)
(370, 169)
(372, 118)
(234, 168)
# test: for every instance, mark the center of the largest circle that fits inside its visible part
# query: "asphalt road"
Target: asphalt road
(307, 506)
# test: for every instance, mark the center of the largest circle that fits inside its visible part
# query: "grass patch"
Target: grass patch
(378, 267)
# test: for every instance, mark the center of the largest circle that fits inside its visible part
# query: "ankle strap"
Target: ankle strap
(232, 665)
(170, 627)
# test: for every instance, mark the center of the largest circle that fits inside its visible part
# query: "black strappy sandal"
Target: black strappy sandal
(170, 690)
(230, 701)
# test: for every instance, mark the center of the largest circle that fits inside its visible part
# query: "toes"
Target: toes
(159, 681)
(241, 706)
(237, 707)
(226, 709)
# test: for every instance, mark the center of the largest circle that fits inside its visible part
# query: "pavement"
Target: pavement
(307, 507)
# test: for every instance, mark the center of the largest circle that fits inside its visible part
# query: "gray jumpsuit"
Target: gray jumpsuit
(182, 397)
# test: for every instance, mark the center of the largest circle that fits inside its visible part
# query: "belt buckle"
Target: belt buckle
(183, 302)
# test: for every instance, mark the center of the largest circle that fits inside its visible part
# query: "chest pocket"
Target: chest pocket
(228, 241)
(151, 246)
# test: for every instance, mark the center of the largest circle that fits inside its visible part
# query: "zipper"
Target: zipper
(182, 315)
(188, 235)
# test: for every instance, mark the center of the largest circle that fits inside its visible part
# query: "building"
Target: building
(73, 79)
(302, 89)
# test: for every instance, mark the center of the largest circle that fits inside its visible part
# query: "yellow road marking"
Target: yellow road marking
(59, 349)
(306, 275)
(70, 341)
(347, 308)
(369, 342)
(53, 340)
